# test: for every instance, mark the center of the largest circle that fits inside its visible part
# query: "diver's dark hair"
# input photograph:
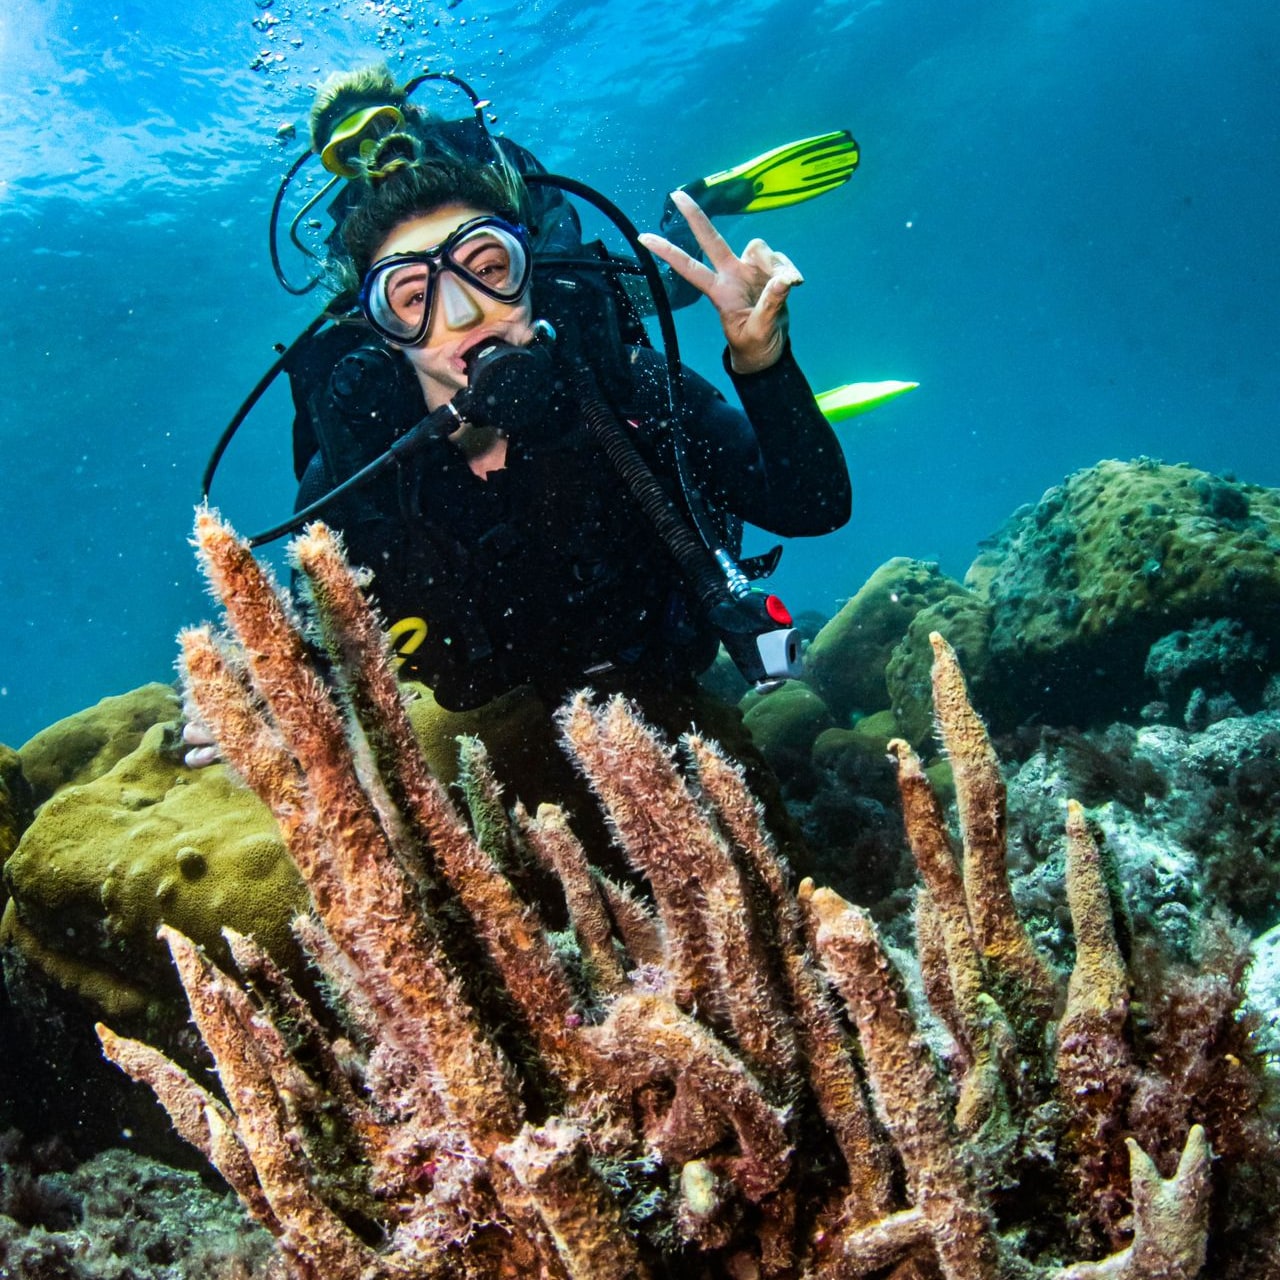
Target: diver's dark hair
(416, 187)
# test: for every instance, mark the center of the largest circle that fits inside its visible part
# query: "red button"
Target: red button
(777, 611)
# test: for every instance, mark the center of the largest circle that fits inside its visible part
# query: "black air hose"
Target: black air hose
(703, 575)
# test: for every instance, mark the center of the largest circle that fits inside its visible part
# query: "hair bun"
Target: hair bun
(389, 155)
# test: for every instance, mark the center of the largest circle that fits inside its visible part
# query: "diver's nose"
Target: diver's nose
(458, 304)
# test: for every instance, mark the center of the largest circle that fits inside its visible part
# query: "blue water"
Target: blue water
(1064, 228)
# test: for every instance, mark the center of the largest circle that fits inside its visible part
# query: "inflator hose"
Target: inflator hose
(703, 575)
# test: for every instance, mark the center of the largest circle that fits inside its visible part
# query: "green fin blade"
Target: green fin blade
(785, 175)
(854, 398)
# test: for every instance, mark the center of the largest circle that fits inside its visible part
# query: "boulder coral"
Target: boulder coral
(787, 722)
(81, 747)
(15, 805)
(1083, 583)
(845, 663)
(106, 861)
(671, 1089)
(965, 619)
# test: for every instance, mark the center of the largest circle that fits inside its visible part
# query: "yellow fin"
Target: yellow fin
(859, 397)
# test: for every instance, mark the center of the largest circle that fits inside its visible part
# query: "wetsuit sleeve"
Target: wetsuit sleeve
(776, 462)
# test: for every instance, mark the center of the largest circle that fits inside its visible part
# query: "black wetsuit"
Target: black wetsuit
(547, 573)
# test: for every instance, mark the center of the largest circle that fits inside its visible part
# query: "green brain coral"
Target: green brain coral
(785, 723)
(15, 805)
(964, 621)
(85, 745)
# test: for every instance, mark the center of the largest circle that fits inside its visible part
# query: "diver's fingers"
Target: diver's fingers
(199, 757)
(712, 243)
(769, 305)
(683, 264)
(773, 264)
(204, 750)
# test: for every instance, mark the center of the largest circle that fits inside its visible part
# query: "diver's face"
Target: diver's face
(461, 316)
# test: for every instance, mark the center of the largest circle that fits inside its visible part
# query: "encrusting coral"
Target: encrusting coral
(668, 1088)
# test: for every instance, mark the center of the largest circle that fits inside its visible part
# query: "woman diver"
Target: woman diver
(512, 534)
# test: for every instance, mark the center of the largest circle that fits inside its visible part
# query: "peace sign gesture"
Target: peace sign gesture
(749, 292)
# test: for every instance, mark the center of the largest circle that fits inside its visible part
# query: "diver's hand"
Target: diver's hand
(204, 750)
(749, 292)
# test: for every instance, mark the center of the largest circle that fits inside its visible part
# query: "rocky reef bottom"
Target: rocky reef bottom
(119, 1216)
(1185, 814)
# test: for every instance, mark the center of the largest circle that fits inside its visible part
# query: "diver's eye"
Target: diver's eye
(408, 302)
(488, 261)
(407, 290)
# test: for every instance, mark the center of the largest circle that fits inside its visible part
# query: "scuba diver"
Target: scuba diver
(534, 529)
(537, 525)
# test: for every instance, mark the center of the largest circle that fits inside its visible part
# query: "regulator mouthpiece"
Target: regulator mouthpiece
(507, 386)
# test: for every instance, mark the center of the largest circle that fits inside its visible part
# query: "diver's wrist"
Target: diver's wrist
(743, 365)
(747, 365)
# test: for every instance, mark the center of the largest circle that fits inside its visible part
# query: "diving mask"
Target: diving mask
(487, 254)
(356, 138)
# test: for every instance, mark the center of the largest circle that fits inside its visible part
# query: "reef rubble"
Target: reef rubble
(120, 1216)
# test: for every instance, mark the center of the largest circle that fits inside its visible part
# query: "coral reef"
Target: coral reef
(84, 746)
(851, 817)
(672, 1090)
(1129, 583)
(1192, 673)
(513, 728)
(15, 805)
(1111, 560)
(1190, 817)
(132, 836)
(1212, 662)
